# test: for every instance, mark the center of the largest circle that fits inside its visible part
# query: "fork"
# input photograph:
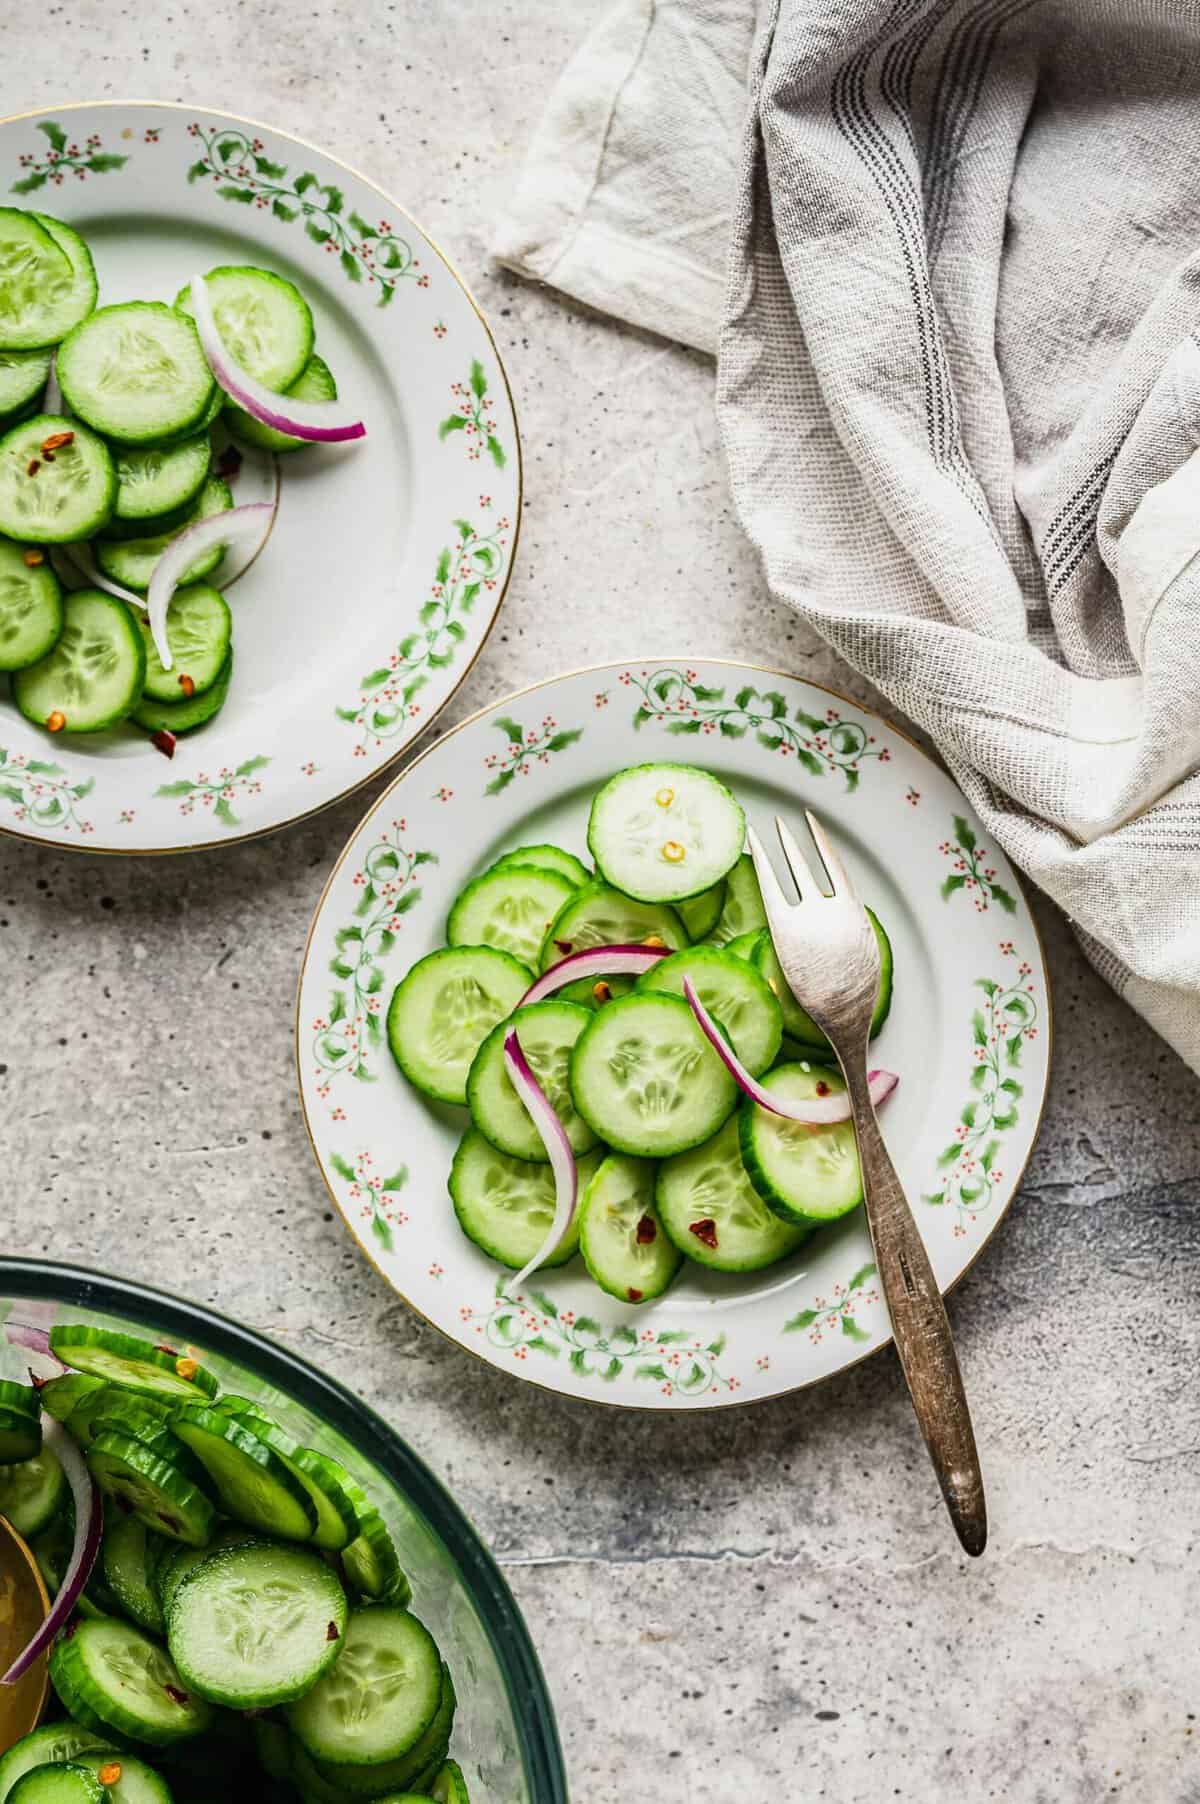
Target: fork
(830, 957)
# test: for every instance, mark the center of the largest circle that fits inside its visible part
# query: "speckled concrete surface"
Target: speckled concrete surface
(758, 1604)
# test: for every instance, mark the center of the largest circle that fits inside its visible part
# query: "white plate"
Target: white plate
(969, 1029)
(388, 560)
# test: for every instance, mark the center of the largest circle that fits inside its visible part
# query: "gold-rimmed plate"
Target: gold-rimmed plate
(389, 559)
(968, 1032)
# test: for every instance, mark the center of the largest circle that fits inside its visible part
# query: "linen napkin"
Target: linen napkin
(948, 254)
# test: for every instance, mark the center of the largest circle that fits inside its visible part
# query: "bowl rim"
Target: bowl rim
(503, 1623)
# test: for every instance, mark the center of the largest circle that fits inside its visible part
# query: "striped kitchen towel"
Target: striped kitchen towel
(948, 255)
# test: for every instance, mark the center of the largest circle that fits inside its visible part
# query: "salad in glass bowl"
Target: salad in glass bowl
(254, 1587)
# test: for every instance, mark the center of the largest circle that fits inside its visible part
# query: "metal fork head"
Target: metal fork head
(825, 943)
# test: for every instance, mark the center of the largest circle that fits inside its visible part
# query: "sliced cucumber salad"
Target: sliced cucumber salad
(246, 1624)
(672, 1161)
(106, 444)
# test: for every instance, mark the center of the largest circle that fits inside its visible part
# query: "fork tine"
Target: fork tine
(840, 880)
(797, 864)
(774, 900)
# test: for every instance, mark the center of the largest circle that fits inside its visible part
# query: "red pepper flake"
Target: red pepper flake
(176, 1696)
(70, 1629)
(601, 992)
(635, 1296)
(187, 684)
(564, 946)
(33, 557)
(57, 441)
(47, 457)
(160, 1346)
(32, 467)
(646, 1231)
(705, 1231)
(333, 1633)
(110, 1772)
(229, 462)
(164, 742)
(56, 721)
(822, 1087)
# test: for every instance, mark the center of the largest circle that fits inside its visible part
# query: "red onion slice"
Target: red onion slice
(34, 1340)
(558, 1147)
(318, 421)
(816, 1111)
(596, 961)
(89, 1522)
(238, 524)
(79, 556)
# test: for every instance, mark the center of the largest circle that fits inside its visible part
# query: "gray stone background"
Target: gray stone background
(761, 1603)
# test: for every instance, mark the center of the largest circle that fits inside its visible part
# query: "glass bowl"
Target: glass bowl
(504, 1734)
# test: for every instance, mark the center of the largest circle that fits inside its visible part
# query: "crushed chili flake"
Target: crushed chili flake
(56, 721)
(176, 1696)
(32, 467)
(646, 1231)
(601, 992)
(110, 1772)
(705, 1231)
(564, 945)
(47, 457)
(229, 462)
(654, 939)
(57, 441)
(160, 1346)
(333, 1633)
(187, 684)
(187, 1368)
(33, 557)
(635, 1296)
(822, 1087)
(164, 741)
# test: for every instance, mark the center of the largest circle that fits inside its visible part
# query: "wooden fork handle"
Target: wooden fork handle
(921, 1329)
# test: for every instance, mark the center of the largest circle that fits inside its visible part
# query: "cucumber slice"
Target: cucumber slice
(20, 1435)
(743, 945)
(22, 378)
(160, 479)
(135, 372)
(65, 1783)
(264, 321)
(743, 910)
(444, 1009)
(199, 629)
(125, 1779)
(152, 1487)
(381, 1696)
(257, 1626)
(59, 1396)
(736, 995)
(547, 858)
(114, 1679)
(31, 605)
(506, 1205)
(597, 915)
(406, 1776)
(93, 676)
(510, 907)
(547, 1032)
(140, 1365)
(69, 302)
(327, 1484)
(48, 1746)
(620, 1235)
(21, 1397)
(450, 1787)
(646, 1078)
(34, 273)
(701, 913)
(131, 1554)
(797, 1022)
(52, 1551)
(711, 1211)
(371, 1562)
(805, 1175)
(32, 1492)
(179, 1562)
(314, 383)
(252, 1483)
(57, 495)
(142, 1418)
(186, 716)
(131, 561)
(662, 832)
